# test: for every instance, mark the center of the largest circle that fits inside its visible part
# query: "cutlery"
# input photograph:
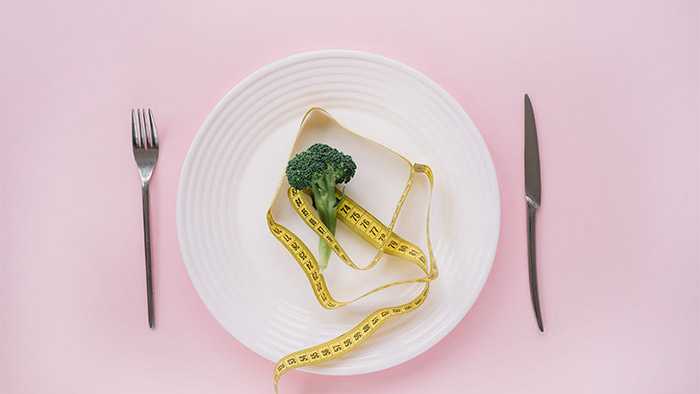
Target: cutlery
(533, 188)
(144, 142)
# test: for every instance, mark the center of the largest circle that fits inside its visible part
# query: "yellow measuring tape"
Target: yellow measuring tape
(372, 230)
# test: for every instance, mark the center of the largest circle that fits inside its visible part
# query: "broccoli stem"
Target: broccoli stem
(324, 198)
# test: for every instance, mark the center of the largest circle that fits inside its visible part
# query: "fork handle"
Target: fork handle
(145, 198)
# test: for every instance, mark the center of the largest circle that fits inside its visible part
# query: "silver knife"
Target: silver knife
(533, 194)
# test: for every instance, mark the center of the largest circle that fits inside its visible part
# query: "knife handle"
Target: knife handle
(532, 265)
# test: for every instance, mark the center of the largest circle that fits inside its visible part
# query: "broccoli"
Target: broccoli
(319, 169)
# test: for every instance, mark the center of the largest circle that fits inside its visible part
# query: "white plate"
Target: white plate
(249, 282)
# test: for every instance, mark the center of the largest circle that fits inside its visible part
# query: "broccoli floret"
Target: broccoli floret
(319, 169)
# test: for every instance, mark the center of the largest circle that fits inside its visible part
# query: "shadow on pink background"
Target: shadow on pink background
(616, 88)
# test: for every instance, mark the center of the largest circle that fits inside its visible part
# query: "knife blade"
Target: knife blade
(533, 196)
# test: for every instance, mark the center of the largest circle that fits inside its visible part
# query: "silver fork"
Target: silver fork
(144, 140)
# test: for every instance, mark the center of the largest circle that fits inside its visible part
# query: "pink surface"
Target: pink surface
(616, 90)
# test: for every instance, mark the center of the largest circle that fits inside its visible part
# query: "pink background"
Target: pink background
(616, 89)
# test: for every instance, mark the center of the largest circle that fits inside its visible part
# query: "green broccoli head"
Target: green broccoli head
(316, 164)
(319, 169)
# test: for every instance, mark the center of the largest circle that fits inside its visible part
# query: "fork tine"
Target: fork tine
(146, 130)
(142, 129)
(135, 132)
(139, 131)
(154, 130)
